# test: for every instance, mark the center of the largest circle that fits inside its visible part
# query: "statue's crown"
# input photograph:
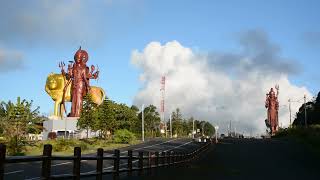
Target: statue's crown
(83, 55)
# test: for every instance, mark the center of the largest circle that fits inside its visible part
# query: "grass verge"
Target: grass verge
(65, 147)
(309, 136)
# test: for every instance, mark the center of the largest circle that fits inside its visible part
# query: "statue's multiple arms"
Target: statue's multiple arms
(267, 101)
(92, 74)
(68, 74)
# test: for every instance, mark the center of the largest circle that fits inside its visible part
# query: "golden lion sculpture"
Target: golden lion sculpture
(54, 87)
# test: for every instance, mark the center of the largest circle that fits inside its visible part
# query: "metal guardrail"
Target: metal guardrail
(154, 160)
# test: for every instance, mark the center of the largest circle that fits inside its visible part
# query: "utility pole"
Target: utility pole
(162, 103)
(142, 111)
(65, 128)
(202, 129)
(216, 132)
(230, 129)
(192, 128)
(305, 112)
(165, 127)
(170, 126)
(290, 111)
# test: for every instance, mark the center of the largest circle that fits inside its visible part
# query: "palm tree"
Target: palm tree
(17, 120)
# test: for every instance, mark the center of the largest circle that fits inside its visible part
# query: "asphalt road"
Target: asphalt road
(32, 170)
(246, 159)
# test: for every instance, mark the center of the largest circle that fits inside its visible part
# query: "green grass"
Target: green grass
(309, 136)
(66, 147)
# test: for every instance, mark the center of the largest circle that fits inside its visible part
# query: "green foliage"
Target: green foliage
(177, 126)
(16, 145)
(183, 127)
(106, 118)
(208, 129)
(64, 145)
(126, 117)
(88, 114)
(17, 120)
(123, 136)
(151, 120)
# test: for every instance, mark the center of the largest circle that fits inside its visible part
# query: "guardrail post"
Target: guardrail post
(2, 159)
(116, 164)
(157, 159)
(163, 158)
(149, 160)
(174, 158)
(76, 163)
(129, 162)
(168, 158)
(46, 161)
(99, 163)
(171, 158)
(140, 163)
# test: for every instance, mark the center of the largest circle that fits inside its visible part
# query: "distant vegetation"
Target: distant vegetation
(309, 134)
(313, 113)
(111, 116)
(115, 123)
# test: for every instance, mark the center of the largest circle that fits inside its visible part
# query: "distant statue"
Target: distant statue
(272, 104)
(73, 85)
(60, 92)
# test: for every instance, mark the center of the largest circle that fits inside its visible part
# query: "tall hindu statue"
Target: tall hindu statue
(72, 85)
(272, 105)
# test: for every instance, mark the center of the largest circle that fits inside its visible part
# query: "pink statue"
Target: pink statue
(272, 104)
(78, 73)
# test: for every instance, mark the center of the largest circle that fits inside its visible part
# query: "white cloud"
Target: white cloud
(53, 22)
(10, 60)
(201, 87)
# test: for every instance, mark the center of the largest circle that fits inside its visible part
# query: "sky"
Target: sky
(219, 57)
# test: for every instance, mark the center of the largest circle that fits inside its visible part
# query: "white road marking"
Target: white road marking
(33, 178)
(138, 160)
(64, 163)
(13, 172)
(150, 145)
(178, 146)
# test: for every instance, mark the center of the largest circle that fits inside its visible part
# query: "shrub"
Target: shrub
(16, 146)
(123, 136)
(52, 135)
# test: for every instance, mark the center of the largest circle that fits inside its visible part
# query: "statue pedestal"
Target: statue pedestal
(64, 128)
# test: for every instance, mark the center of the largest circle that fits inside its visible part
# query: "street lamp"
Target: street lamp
(193, 128)
(216, 131)
(142, 123)
(170, 126)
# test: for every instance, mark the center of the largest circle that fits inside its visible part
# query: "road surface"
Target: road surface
(255, 159)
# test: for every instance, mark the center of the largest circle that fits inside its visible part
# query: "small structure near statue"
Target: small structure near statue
(71, 86)
(272, 105)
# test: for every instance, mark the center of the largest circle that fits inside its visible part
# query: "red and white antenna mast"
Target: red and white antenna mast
(162, 105)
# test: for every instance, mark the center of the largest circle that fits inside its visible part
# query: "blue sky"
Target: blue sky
(111, 30)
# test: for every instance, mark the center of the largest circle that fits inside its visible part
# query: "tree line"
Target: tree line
(313, 113)
(20, 118)
(111, 116)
